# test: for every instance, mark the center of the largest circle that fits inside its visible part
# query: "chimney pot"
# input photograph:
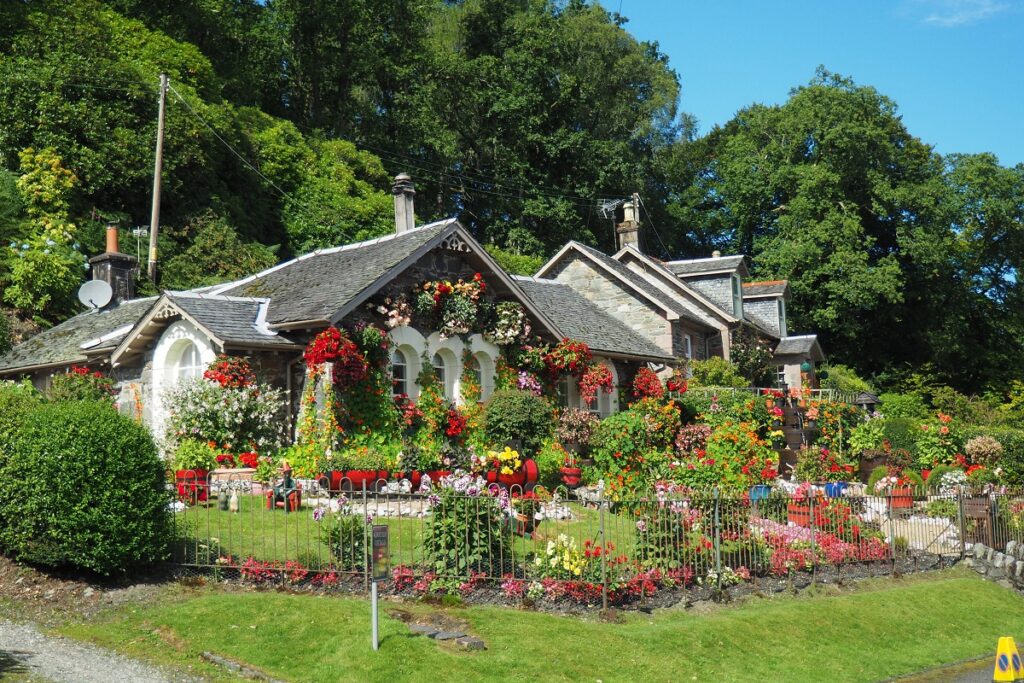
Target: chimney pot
(628, 231)
(404, 191)
(716, 254)
(112, 246)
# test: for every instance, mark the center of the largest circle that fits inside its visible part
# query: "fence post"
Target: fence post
(366, 564)
(814, 540)
(604, 559)
(718, 539)
(963, 523)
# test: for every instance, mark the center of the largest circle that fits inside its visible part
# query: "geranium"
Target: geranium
(456, 423)
(249, 459)
(575, 426)
(230, 372)
(597, 377)
(677, 382)
(333, 346)
(81, 383)
(647, 384)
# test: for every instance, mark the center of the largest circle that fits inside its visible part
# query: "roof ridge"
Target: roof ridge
(706, 258)
(190, 294)
(765, 282)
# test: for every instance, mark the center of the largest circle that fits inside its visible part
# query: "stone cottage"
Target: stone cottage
(631, 310)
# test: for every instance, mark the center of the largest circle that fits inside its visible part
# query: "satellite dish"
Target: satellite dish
(95, 294)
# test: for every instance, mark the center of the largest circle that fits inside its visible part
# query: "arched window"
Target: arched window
(188, 363)
(440, 374)
(483, 371)
(399, 373)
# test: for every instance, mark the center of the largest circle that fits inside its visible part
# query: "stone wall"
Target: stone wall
(622, 304)
(996, 565)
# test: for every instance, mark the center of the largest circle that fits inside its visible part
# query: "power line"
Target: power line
(650, 220)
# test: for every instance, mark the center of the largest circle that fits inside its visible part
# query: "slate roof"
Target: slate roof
(803, 345)
(765, 288)
(580, 319)
(317, 285)
(233, 320)
(641, 284)
(705, 265)
(61, 345)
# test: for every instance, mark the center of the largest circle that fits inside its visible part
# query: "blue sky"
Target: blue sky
(954, 67)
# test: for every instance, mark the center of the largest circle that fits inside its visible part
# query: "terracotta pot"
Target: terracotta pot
(414, 478)
(331, 480)
(571, 476)
(437, 475)
(517, 478)
(192, 484)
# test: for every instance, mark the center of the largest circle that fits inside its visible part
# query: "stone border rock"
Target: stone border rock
(996, 565)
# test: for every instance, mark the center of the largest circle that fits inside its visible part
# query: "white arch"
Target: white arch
(450, 350)
(175, 340)
(412, 345)
(487, 354)
(608, 404)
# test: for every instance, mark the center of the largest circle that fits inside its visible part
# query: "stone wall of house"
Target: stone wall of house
(698, 340)
(617, 301)
(717, 288)
(764, 312)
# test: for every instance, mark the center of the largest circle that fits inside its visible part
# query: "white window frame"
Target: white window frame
(399, 385)
(782, 316)
(737, 296)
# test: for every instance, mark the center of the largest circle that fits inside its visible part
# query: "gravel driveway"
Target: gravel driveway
(23, 649)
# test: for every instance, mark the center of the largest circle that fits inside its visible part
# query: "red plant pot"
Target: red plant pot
(192, 484)
(414, 478)
(571, 476)
(517, 478)
(799, 513)
(360, 478)
(437, 475)
(331, 480)
(901, 498)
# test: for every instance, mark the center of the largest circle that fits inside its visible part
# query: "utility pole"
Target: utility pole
(154, 221)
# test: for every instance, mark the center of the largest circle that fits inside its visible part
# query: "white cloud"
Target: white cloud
(954, 13)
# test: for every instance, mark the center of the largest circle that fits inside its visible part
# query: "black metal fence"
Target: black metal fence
(581, 543)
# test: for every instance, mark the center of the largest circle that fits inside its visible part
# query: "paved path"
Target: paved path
(25, 650)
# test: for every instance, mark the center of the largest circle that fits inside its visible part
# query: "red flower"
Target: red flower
(646, 384)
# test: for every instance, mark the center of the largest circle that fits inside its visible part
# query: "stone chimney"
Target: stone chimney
(118, 270)
(716, 254)
(404, 191)
(628, 231)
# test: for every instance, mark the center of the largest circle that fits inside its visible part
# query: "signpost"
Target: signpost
(380, 564)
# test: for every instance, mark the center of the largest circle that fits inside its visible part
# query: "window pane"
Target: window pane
(440, 374)
(398, 373)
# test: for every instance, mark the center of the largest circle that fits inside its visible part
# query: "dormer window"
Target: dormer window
(737, 296)
(782, 317)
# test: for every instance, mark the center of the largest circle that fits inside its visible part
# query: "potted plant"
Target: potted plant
(811, 418)
(898, 488)
(506, 467)
(364, 466)
(193, 461)
(572, 475)
(575, 427)
(528, 510)
(801, 504)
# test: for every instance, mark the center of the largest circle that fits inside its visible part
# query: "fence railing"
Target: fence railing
(604, 548)
(812, 394)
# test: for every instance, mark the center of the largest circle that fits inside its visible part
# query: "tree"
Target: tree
(215, 255)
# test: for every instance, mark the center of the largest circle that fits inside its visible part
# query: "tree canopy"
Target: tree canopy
(287, 120)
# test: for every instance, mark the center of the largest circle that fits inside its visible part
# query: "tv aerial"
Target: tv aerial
(606, 207)
(95, 294)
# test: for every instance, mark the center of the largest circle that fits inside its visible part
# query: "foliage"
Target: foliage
(716, 372)
(575, 426)
(901, 434)
(939, 441)
(519, 416)
(868, 435)
(637, 440)
(465, 530)
(6, 341)
(516, 264)
(983, 450)
(236, 419)
(215, 254)
(81, 384)
(17, 401)
(822, 464)
(752, 353)
(1012, 442)
(550, 459)
(67, 453)
(843, 378)
(346, 536)
(192, 454)
(510, 324)
(835, 421)
(909, 404)
(735, 458)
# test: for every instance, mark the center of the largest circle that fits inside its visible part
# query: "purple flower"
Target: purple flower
(641, 525)
(433, 500)
(318, 514)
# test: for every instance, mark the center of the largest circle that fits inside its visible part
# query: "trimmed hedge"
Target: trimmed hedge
(519, 415)
(83, 486)
(902, 433)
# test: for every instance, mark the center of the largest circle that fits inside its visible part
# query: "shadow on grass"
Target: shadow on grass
(10, 664)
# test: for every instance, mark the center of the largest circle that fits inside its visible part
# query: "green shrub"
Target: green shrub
(716, 372)
(875, 476)
(910, 404)
(16, 401)
(519, 415)
(83, 486)
(1012, 441)
(902, 433)
(5, 333)
(935, 475)
(550, 460)
(82, 384)
(843, 378)
(346, 537)
(465, 534)
(638, 440)
(191, 454)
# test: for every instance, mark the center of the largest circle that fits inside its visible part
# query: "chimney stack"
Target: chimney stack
(716, 254)
(404, 191)
(118, 270)
(628, 231)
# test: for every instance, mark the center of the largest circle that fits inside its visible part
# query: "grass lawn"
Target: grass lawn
(880, 629)
(276, 535)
